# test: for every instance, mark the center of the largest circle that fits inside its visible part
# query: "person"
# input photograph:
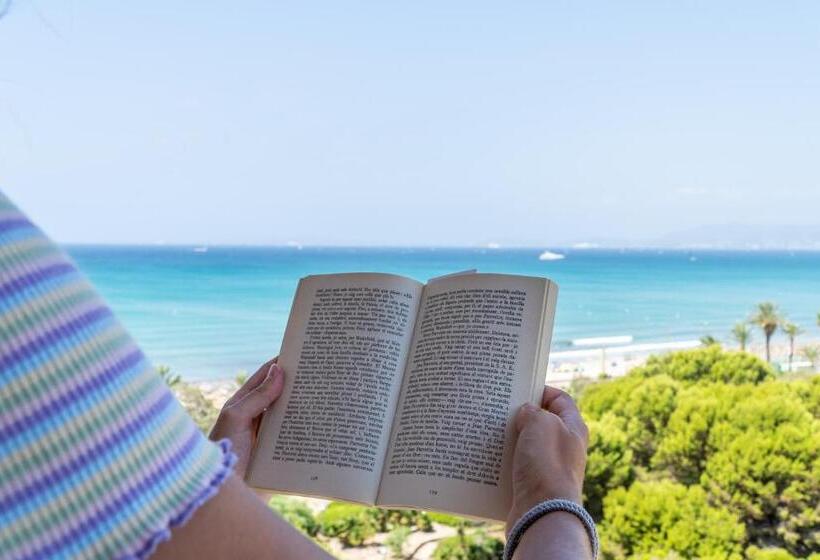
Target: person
(98, 460)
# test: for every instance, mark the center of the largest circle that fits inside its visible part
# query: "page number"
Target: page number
(433, 492)
(314, 477)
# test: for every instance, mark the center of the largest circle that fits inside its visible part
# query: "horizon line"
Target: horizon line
(486, 247)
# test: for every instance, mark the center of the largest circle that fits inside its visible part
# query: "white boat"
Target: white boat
(200, 249)
(550, 256)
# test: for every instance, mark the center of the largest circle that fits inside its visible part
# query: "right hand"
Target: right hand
(550, 453)
(239, 419)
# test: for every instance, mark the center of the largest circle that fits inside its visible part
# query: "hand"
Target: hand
(239, 418)
(550, 453)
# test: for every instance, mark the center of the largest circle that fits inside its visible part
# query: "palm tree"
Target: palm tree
(812, 354)
(791, 331)
(742, 333)
(767, 317)
(708, 340)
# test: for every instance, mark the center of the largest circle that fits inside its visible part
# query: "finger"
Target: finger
(526, 414)
(253, 382)
(256, 401)
(561, 404)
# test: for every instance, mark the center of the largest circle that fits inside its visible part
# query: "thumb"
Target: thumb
(526, 414)
(257, 400)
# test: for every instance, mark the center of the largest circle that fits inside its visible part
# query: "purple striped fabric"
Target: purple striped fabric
(81, 409)
(74, 394)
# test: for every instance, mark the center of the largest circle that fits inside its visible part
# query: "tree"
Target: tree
(756, 553)
(639, 407)
(720, 425)
(197, 405)
(741, 333)
(768, 318)
(476, 546)
(171, 379)
(763, 463)
(690, 440)
(664, 519)
(707, 364)
(609, 462)
(296, 512)
(791, 330)
(709, 340)
(350, 523)
(812, 354)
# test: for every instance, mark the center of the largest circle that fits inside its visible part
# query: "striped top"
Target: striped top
(97, 458)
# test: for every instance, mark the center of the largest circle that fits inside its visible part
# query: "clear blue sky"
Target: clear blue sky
(419, 123)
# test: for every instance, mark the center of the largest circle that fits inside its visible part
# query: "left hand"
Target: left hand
(239, 418)
(550, 453)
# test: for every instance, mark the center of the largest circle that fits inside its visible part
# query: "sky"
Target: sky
(416, 123)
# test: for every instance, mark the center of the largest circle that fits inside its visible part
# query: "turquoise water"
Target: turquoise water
(212, 314)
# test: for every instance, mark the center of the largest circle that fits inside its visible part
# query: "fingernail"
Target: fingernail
(528, 407)
(275, 371)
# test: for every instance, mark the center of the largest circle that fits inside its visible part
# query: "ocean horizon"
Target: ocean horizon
(211, 312)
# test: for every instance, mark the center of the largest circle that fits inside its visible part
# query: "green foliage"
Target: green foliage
(808, 391)
(709, 340)
(351, 524)
(476, 546)
(735, 442)
(754, 448)
(609, 462)
(741, 334)
(641, 408)
(450, 520)
(766, 467)
(755, 553)
(203, 411)
(812, 354)
(385, 520)
(689, 440)
(295, 512)
(791, 330)
(241, 378)
(171, 379)
(396, 539)
(707, 364)
(578, 385)
(767, 316)
(662, 518)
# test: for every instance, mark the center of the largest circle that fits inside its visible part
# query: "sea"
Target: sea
(212, 312)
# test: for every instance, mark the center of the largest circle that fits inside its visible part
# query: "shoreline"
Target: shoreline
(566, 366)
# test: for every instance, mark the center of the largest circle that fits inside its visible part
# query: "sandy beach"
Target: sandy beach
(615, 361)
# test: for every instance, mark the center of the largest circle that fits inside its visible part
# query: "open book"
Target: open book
(401, 394)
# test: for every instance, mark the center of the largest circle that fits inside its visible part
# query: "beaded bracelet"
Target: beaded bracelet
(541, 510)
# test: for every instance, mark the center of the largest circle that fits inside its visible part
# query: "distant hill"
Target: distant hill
(744, 236)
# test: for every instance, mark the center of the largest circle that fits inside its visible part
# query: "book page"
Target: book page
(343, 354)
(476, 357)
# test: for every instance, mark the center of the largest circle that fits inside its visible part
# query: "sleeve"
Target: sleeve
(97, 458)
